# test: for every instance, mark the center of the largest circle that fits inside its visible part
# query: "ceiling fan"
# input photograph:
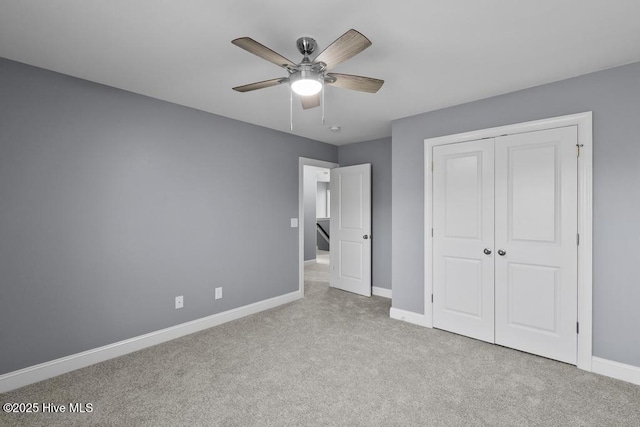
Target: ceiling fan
(308, 78)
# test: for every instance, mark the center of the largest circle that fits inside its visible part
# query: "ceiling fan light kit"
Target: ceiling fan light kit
(306, 86)
(306, 82)
(309, 77)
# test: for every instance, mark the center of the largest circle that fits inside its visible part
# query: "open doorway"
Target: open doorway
(314, 214)
(317, 203)
(317, 231)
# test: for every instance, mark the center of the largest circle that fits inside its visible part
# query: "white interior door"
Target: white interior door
(536, 253)
(463, 269)
(350, 255)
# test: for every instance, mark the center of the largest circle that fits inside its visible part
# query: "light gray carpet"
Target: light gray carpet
(331, 359)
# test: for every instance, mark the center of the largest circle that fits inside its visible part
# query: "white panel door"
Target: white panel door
(536, 254)
(463, 270)
(350, 254)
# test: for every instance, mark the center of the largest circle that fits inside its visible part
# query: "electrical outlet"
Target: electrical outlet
(218, 293)
(179, 302)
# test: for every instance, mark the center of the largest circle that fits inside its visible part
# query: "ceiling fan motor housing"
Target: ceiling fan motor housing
(306, 45)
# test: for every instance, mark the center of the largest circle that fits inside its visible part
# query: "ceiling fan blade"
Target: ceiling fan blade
(261, 85)
(252, 46)
(312, 101)
(359, 83)
(346, 46)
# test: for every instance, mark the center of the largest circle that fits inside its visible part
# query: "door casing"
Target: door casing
(583, 121)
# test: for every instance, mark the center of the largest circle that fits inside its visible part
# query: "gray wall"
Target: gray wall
(614, 97)
(378, 153)
(112, 204)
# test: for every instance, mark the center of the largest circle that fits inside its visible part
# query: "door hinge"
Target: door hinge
(577, 327)
(578, 149)
(432, 166)
(577, 238)
(432, 232)
(431, 298)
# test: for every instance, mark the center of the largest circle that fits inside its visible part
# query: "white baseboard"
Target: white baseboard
(311, 261)
(409, 317)
(43, 371)
(616, 370)
(381, 292)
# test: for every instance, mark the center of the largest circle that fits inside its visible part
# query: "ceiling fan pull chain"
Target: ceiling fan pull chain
(323, 104)
(290, 109)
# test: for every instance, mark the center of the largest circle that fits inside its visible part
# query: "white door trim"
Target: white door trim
(302, 162)
(585, 208)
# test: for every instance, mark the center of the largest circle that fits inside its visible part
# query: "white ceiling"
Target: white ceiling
(431, 54)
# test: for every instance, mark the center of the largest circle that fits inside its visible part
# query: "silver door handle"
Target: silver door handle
(501, 252)
(365, 237)
(487, 251)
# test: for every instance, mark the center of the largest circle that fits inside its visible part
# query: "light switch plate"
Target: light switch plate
(294, 222)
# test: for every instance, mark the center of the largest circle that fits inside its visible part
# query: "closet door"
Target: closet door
(463, 270)
(535, 242)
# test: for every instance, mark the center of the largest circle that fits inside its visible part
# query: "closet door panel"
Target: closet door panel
(536, 252)
(463, 273)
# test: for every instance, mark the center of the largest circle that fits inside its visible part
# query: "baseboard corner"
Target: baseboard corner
(409, 317)
(381, 292)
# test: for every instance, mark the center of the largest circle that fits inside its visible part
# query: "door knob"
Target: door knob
(365, 237)
(487, 251)
(501, 252)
